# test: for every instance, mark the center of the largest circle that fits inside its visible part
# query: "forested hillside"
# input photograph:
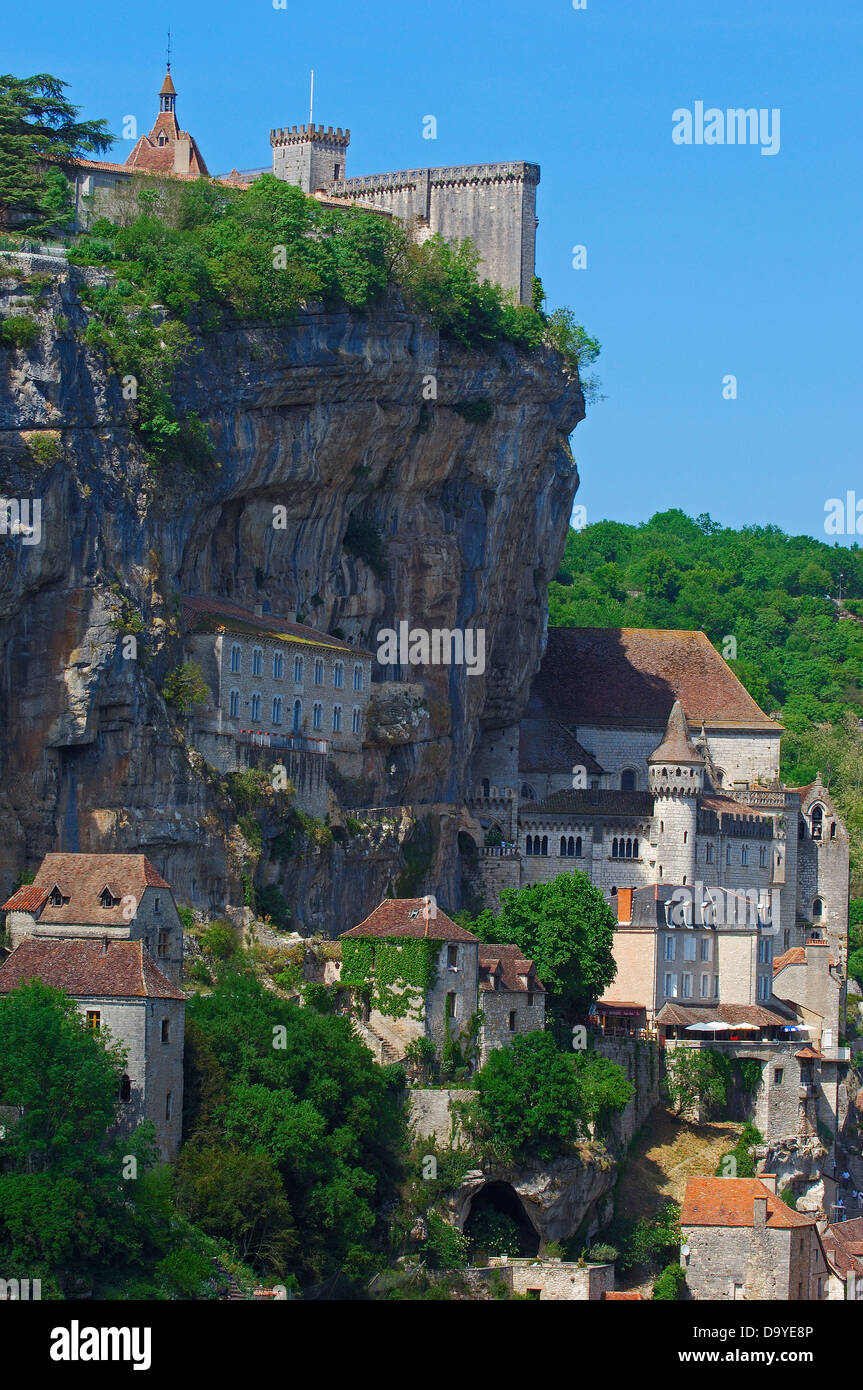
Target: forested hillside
(785, 610)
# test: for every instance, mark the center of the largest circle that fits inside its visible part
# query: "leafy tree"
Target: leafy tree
(566, 928)
(37, 123)
(654, 1241)
(696, 1076)
(185, 687)
(528, 1102)
(669, 1285)
(241, 1197)
(602, 1086)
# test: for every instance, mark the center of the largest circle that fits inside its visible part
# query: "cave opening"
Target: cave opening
(495, 1201)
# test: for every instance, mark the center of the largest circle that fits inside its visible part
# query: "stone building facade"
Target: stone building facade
(468, 978)
(95, 926)
(740, 1241)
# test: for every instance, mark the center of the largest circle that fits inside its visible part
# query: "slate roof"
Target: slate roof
(602, 802)
(728, 1202)
(632, 676)
(81, 878)
(507, 964)
(86, 969)
(410, 917)
(203, 613)
(544, 745)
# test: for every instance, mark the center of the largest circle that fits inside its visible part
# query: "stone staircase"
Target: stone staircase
(385, 1046)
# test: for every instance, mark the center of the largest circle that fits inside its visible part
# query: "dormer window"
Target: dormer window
(106, 898)
(55, 897)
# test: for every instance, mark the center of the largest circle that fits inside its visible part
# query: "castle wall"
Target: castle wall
(497, 1005)
(752, 756)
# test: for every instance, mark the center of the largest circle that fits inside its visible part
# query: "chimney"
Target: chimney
(624, 906)
(759, 1213)
(769, 1180)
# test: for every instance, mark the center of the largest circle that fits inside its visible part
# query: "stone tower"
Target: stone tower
(310, 156)
(676, 775)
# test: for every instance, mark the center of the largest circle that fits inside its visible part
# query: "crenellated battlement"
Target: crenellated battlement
(454, 176)
(302, 134)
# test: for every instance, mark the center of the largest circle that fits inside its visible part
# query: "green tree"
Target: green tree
(528, 1102)
(37, 123)
(185, 687)
(696, 1076)
(240, 1197)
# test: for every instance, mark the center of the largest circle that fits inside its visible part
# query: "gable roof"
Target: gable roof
(85, 969)
(410, 917)
(203, 613)
(82, 878)
(842, 1242)
(796, 955)
(507, 964)
(728, 1202)
(631, 676)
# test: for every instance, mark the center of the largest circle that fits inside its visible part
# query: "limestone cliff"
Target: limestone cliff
(325, 418)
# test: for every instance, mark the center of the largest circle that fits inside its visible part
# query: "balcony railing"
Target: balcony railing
(261, 738)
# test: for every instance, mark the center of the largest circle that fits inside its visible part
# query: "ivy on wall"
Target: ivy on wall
(394, 972)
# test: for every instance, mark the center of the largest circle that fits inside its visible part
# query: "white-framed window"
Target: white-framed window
(278, 666)
(689, 945)
(339, 675)
(255, 705)
(686, 987)
(358, 677)
(337, 718)
(762, 856)
(763, 987)
(705, 987)
(236, 657)
(319, 671)
(669, 985)
(715, 986)
(234, 704)
(298, 670)
(706, 948)
(317, 716)
(355, 720)
(668, 948)
(277, 709)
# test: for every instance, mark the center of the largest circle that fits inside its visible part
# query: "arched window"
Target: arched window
(528, 792)
(528, 845)
(337, 718)
(257, 661)
(817, 821)
(627, 780)
(236, 657)
(817, 909)
(614, 848)
(635, 849)
(545, 844)
(278, 666)
(629, 849)
(317, 716)
(234, 706)
(563, 845)
(125, 1090)
(298, 670)
(578, 847)
(298, 715)
(358, 677)
(319, 672)
(339, 675)
(256, 706)
(277, 709)
(570, 847)
(355, 720)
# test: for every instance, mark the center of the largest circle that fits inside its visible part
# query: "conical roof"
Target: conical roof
(167, 88)
(676, 747)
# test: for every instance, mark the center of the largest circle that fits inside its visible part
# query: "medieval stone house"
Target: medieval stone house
(104, 928)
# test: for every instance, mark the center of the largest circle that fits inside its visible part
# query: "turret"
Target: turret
(168, 93)
(676, 777)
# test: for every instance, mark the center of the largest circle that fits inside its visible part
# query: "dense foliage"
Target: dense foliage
(768, 601)
(696, 1078)
(566, 928)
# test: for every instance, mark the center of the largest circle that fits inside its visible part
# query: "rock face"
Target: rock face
(325, 419)
(556, 1196)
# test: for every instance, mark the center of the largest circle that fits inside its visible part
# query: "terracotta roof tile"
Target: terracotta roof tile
(728, 1202)
(410, 917)
(203, 613)
(620, 676)
(684, 1014)
(81, 878)
(109, 969)
(508, 964)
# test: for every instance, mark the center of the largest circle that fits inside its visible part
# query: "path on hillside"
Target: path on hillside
(664, 1154)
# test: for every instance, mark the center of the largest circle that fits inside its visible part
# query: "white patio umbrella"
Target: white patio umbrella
(748, 1027)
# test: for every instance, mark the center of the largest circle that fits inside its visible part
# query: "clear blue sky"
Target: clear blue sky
(702, 261)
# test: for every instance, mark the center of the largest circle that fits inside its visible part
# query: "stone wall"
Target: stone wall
(504, 1008)
(553, 1280)
(642, 1065)
(429, 1113)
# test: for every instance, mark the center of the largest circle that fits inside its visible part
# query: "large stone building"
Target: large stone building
(104, 928)
(466, 977)
(276, 685)
(643, 760)
(740, 1241)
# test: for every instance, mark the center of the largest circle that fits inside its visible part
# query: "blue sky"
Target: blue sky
(703, 261)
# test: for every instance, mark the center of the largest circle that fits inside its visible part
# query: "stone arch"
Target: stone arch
(502, 1197)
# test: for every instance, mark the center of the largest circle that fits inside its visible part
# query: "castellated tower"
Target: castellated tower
(676, 775)
(310, 156)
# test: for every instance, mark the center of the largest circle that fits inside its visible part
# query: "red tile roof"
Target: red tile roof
(507, 964)
(726, 1013)
(728, 1202)
(623, 676)
(88, 969)
(203, 613)
(410, 917)
(843, 1246)
(796, 955)
(81, 878)
(621, 1297)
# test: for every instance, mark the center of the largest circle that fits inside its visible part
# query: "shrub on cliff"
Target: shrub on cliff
(528, 1103)
(669, 1285)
